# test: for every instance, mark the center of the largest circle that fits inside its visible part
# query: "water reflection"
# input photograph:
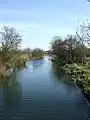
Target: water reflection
(57, 73)
(10, 92)
(59, 76)
(37, 64)
(30, 95)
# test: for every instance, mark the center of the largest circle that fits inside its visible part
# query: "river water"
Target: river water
(42, 92)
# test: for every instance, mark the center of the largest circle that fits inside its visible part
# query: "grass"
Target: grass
(80, 75)
(25, 56)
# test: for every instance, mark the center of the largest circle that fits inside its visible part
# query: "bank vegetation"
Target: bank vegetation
(72, 54)
(11, 53)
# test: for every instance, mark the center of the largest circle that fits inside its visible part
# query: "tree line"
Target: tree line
(74, 48)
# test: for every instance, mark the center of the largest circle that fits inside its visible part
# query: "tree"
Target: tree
(69, 49)
(71, 45)
(83, 36)
(59, 48)
(10, 41)
(37, 53)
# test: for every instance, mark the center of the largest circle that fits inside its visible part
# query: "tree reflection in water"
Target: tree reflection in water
(12, 92)
(37, 64)
(60, 77)
(58, 74)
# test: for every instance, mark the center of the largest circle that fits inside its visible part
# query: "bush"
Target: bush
(37, 53)
(20, 63)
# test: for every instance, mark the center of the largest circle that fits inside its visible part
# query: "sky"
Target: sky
(38, 21)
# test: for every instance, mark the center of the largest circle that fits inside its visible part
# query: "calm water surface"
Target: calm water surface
(42, 92)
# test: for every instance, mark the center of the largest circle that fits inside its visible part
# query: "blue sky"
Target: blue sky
(39, 20)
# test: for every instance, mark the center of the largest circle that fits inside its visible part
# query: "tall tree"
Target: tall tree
(10, 41)
(71, 45)
(69, 49)
(59, 48)
(83, 36)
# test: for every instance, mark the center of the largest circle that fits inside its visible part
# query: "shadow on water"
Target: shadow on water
(60, 78)
(59, 75)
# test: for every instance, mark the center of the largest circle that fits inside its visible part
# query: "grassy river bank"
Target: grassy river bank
(80, 75)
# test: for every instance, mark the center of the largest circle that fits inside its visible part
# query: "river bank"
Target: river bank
(5, 70)
(80, 75)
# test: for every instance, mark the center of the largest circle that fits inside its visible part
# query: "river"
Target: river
(42, 92)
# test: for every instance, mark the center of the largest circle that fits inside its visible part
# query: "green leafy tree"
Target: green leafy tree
(37, 53)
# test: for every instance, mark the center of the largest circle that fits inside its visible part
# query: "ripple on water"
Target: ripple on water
(38, 92)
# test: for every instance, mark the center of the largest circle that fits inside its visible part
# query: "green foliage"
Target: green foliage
(80, 75)
(9, 64)
(69, 49)
(21, 63)
(37, 53)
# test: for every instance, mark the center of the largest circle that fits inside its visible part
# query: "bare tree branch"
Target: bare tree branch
(10, 41)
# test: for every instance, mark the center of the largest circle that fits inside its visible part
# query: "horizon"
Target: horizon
(39, 21)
